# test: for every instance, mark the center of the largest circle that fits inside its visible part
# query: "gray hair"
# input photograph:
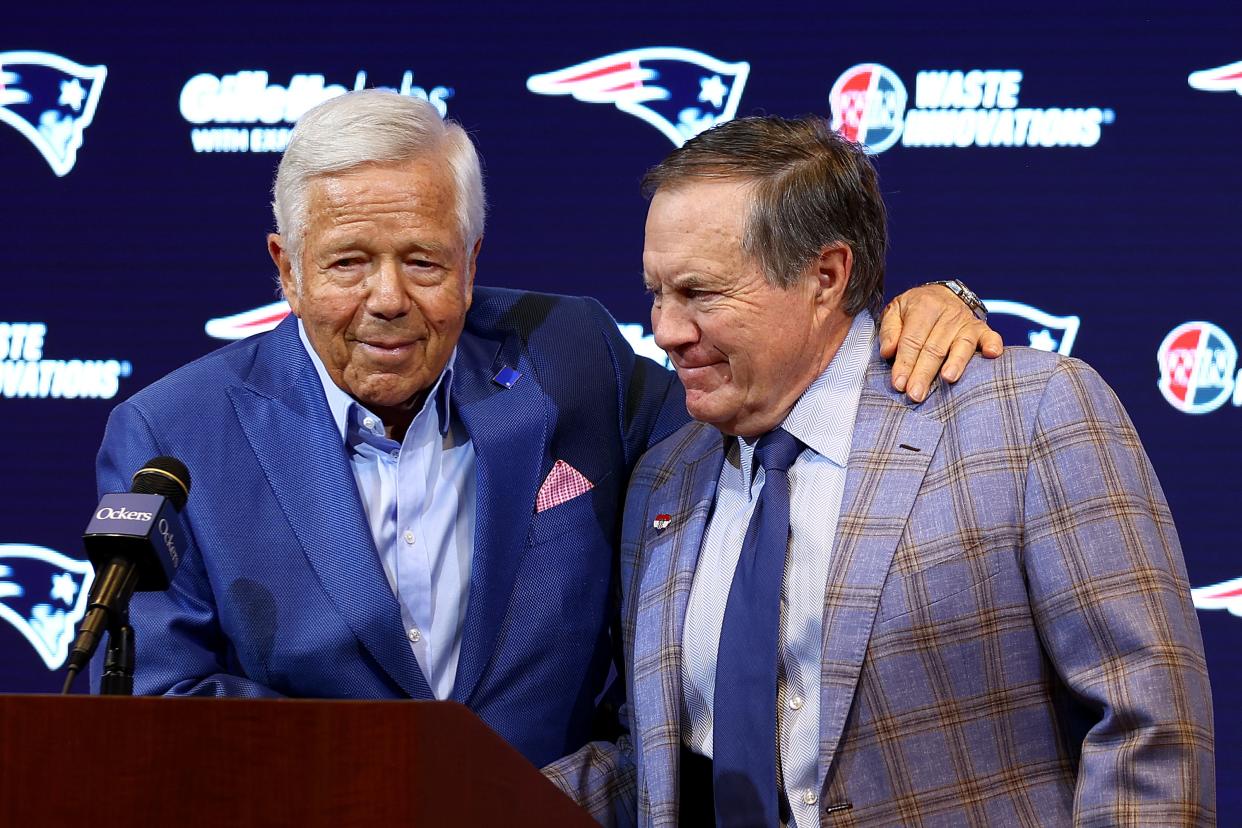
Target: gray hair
(812, 189)
(371, 126)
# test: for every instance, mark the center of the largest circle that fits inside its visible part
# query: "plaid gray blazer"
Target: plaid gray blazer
(1008, 632)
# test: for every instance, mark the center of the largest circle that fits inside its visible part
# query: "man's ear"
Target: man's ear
(284, 266)
(832, 269)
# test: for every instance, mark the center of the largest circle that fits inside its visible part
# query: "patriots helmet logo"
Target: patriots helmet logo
(678, 91)
(1226, 595)
(44, 595)
(1024, 324)
(248, 323)
(1226, 78)
(51, 100)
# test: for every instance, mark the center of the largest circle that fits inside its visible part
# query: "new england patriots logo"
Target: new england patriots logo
(1226, 78)
(248, 323)
(1023, 324)
(1226, 595)
(50, 100)
(680, 92)
(44, 595)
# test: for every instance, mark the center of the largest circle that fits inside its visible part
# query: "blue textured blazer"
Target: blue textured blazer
(282, 591)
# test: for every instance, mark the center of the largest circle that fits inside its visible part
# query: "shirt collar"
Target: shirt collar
(823, 417)
(340, 403)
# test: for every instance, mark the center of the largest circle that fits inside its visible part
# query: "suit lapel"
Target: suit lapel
(891, 451)
(283, 402)
(509, 430)
(663, 594)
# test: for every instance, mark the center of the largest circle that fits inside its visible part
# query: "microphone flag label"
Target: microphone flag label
(127, 516)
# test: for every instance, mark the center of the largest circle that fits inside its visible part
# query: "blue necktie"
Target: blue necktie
(744, 709)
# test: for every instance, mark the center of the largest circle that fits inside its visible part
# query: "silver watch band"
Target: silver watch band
(968, 297)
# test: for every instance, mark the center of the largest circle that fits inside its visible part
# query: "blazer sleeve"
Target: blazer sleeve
(1111, 599)
(190, 655)
(600, 777)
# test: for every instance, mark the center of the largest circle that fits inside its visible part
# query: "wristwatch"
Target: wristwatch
(968, 296)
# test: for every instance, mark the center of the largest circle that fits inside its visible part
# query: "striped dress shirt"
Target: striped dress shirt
(823, 419)
(419, 499)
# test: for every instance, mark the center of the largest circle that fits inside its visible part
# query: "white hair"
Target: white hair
(371, 126)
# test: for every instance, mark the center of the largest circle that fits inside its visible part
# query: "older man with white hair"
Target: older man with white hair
(411, 487)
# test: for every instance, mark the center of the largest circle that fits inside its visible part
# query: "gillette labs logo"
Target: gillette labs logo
(248, 97)
(954, 108)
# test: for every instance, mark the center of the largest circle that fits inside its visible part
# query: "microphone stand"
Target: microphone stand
(118, 668)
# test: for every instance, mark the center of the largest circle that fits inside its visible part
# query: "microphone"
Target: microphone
(134, 542)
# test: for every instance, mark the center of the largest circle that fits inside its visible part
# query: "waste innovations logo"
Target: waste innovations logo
(1226, 78)
(678, 91)
(43, 595)
(1197, 361)
(868, 105)
(241, 100)
(954, 108)
(25, 373)
(50, 100)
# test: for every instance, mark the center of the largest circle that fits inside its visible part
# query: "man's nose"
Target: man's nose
(387, 297)
(673, 325)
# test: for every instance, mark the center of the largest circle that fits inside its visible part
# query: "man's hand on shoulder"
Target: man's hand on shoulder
(929, 329)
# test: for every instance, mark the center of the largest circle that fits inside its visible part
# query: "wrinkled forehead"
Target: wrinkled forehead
(709, 215)
(702, 207)
(419, 195)
(420, 176)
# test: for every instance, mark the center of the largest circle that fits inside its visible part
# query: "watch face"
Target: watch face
(969, 297)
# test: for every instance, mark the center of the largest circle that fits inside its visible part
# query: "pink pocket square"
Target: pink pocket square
(563, 483)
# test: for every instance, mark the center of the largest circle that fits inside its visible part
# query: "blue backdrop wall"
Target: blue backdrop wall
(1077, 167)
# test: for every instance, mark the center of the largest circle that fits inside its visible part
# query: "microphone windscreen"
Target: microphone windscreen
(166, 476)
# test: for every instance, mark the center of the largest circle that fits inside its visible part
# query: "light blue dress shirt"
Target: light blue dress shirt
(823, 419)
(419, 500)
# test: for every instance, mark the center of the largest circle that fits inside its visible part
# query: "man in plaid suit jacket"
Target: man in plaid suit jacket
(999, 615)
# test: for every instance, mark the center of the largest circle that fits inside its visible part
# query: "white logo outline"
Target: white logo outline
(1068, 325)
(634, 101)
(53, 652)
(60, 164)
(1210, 80)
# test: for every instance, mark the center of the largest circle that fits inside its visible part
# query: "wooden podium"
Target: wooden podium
(91, 761)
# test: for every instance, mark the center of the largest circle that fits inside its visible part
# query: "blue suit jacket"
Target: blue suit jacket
(1008, 632)
(282, 591)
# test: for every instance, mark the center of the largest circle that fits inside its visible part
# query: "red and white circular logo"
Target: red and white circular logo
(868, 105)
(1197, 361)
